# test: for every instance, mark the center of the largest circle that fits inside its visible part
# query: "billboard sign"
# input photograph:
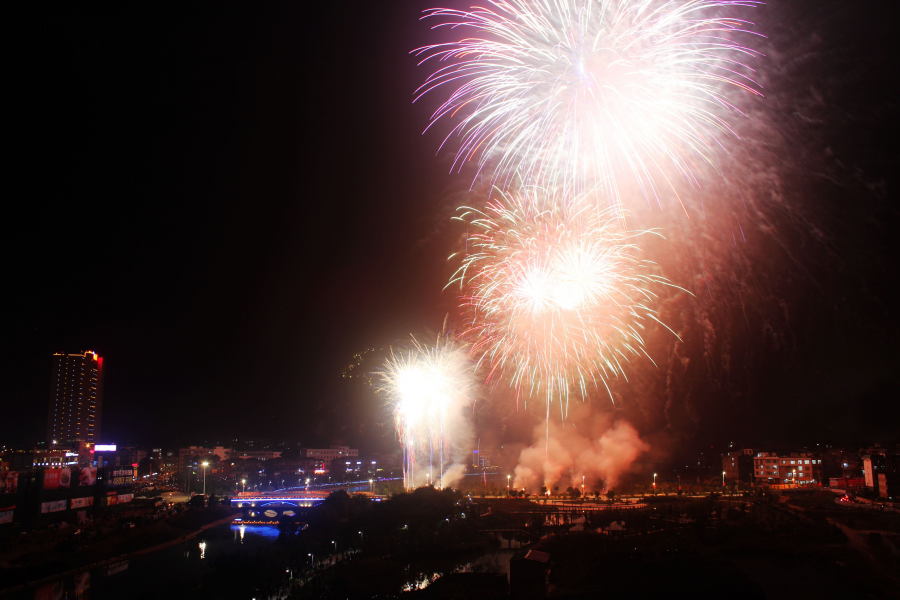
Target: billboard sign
(111, 499)
(123, 498)
(51, 478)
(105, 448)
(9, 482)
(57, 478)
(82, 502)
(86, 476)
(50, 507)
(120, 477)
(6, 514)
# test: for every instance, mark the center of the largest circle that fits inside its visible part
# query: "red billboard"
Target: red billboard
(57, 478)
(9, 482)
(51, 478)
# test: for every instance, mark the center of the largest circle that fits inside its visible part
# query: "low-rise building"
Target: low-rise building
(255, 454)
(882, 474)
(766, 468)
(55, 458)
(738, 465)
(329, 454)
(797, 468)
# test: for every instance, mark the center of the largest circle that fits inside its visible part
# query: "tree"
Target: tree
(611, 494)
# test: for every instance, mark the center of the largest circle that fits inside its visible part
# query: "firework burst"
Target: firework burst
(574, 95)
(428, 388)
(557, 298)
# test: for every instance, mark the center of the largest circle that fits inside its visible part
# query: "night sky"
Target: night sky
(228, 201)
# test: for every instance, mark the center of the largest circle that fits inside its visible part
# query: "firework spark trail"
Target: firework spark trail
(428, 387)
(574, 95)
(556, 299)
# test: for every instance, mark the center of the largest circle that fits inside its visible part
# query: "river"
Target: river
(156, 574)
(177, 570)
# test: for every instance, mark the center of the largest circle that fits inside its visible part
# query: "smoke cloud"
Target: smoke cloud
(453, 475)
(586, 445)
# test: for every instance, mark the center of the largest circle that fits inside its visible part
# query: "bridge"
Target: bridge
(299, 498)
(273, 499)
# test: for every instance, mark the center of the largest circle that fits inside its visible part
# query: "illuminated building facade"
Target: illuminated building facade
(76, 398)
(796, 469)
(329, 454)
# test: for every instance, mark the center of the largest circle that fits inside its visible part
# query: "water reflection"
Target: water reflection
(266, 532)
(154, 574)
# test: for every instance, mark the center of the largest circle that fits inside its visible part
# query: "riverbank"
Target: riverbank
(67, 559)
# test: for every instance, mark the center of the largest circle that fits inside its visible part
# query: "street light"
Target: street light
(723, 478)
(507, 484)
(243, 481)
(335, 546)
(371, 487)
(205, 464)
(362, 538)
(582, 487)
(654, 483)
(312, 559)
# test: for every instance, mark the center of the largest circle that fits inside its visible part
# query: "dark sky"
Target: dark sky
(228, 201)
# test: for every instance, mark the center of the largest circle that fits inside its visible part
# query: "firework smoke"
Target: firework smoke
(575, 94)
(588, 446)
(430, 389)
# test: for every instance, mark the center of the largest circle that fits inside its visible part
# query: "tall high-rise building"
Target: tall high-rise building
(76, 398)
